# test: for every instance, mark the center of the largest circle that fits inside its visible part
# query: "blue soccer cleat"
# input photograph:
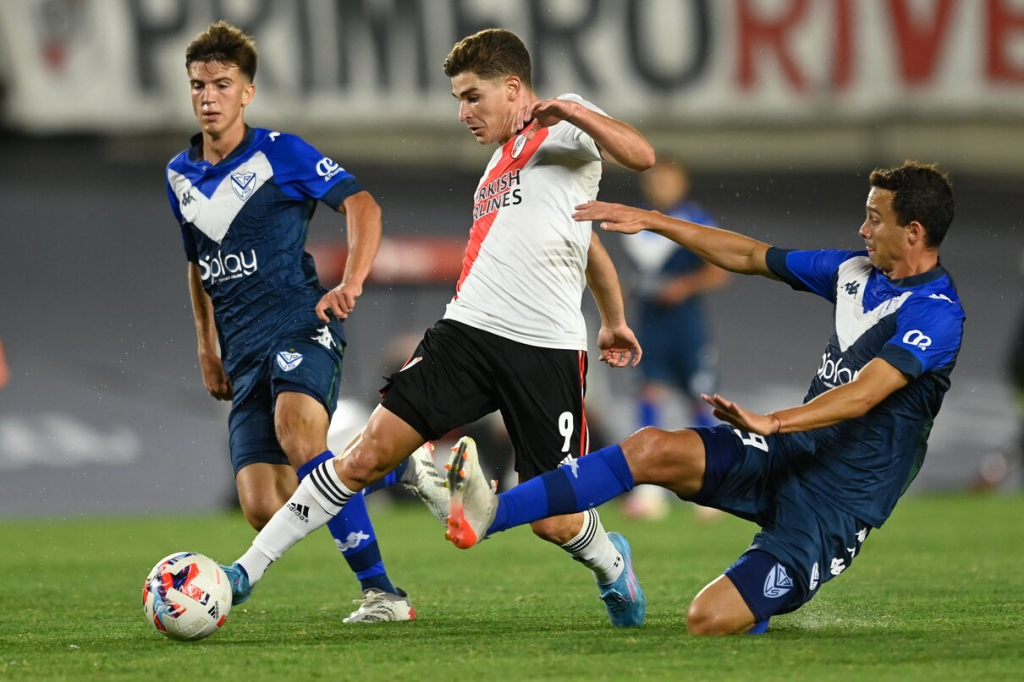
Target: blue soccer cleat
(239, 581)
(624, 598)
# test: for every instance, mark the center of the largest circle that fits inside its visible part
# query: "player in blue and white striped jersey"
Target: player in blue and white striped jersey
(817, 478)
(244, 198)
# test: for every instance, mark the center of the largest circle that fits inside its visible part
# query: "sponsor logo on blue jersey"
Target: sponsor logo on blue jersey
(327, 168)
(832, 372)
(232, 266)
(915, 337)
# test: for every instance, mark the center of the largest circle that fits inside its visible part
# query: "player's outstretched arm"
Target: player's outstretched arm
(615, 339)
(214, 377)
(874, 383)
(364, 227)
(728, 250)
(619, 142)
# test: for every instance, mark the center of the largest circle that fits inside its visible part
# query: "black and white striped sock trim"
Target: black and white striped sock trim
(586, 535)
(326, 485)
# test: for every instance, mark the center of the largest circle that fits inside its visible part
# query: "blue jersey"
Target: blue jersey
(916, 325)
(244, 223)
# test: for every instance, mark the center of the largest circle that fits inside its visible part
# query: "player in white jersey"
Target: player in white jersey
(513, 338)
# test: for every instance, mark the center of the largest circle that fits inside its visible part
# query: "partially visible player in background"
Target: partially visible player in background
(513, 338)
(817, 477)
(270, 336)
(681, 360)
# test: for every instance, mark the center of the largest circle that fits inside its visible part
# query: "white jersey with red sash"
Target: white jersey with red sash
(524, 271)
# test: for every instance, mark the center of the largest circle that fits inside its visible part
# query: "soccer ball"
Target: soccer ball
(186, 596)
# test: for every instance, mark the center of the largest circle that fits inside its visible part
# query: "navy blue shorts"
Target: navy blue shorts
(304, 363)
(805, 540)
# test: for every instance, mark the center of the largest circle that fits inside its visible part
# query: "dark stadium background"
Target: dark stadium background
(105, 409)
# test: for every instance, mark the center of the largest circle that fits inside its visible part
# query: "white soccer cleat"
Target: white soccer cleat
(472, 502)
(378, 606)
(422, 479)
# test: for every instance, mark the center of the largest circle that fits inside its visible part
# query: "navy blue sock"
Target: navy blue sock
(392, 478)
(586, 482)
(354, 535)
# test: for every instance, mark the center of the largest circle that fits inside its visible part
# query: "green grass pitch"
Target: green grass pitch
(937, 594)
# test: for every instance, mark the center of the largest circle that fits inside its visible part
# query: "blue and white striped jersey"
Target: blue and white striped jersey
(916, 325)
(244, 223)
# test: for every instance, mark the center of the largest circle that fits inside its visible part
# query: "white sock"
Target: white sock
(255, 564)
(318, 499)
(592, 548)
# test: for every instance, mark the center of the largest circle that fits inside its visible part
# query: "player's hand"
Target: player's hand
(612, 217)
(215, 378)
(340, 300)
(744, 420)
(545, 112)
(619, 346)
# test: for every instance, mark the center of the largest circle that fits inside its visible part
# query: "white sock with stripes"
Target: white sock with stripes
(319, 498)
(592, 548)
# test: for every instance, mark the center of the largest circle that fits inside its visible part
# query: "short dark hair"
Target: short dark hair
(921, 192)
(491, 53)
(224, 43)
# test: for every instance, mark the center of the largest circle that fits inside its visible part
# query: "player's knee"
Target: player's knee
(366, 462)
(704, 619)
(665, 458)
(645, 453)
(299, 437)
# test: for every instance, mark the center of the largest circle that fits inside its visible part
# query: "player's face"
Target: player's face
(884, 238)
(486, 106)
(219, 93)
(664, 185)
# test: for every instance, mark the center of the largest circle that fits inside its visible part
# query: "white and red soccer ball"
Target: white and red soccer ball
(186, 596)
